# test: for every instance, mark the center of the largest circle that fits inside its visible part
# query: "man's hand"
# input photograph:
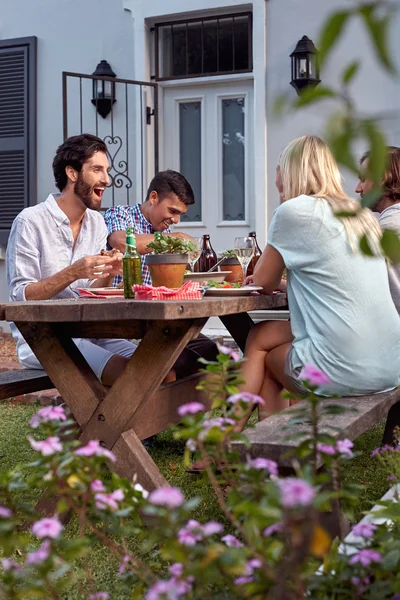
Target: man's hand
(96, 267)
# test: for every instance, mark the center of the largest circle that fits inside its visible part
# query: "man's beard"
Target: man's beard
(85, 193)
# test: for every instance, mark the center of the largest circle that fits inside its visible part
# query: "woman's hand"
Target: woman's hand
(249, 280)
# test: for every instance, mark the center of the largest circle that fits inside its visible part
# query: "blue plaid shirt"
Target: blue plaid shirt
(119, 218)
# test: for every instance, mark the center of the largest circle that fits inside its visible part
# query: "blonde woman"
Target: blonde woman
(342, 317)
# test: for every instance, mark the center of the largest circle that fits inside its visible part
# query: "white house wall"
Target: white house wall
(74, 35)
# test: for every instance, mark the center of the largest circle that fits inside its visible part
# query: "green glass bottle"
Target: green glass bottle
(131, 264)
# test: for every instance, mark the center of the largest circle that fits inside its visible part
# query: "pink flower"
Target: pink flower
(365, 557)
(191, 444)
(188, 538)
(110, 501)
(229, 352)
(48, 413)
(245, 397)
(171, 497)
(5, 513)
(191, 408)
(93, 448)
(122, 566)
(211, 528)
(365, 530)
(254, 563)
(99, 596)
(9, 564)
(46, 447)
(243, 580)
(40, 555)
(295, 492)
(344, 447)
(173, 589)
(47, 528)
(262, 463)
(313, 376)
(231, 541)
(97, 486)
(275, 528)
(221, 422)
(176, 570)
(326, 449)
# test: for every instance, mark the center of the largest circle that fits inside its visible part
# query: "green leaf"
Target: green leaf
(311, 95)
(377, 29)
(350, 72)
(390, 243)
(365, 247)
(331, 32)
(370, 198)
(377, 148)
(345, 213)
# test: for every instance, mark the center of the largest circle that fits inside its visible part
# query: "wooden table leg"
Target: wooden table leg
(239, 326)
(66, 367)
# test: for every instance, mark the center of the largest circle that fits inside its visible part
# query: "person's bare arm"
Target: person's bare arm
(116, 239)
(103, 268)
(268, 270)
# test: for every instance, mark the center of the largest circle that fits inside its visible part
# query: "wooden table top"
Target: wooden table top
(85, 310)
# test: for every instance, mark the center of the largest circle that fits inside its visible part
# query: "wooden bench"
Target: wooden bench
(23, 381)
(275, 438)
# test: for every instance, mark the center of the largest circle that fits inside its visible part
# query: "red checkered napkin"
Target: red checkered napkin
(188, 291)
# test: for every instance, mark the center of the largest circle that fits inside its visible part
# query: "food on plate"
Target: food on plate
(223, 285)
(112, 252)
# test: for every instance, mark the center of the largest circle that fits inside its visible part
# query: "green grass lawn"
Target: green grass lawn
(168, 454)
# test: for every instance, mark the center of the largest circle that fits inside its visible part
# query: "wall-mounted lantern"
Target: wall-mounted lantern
(305, 69)
(103, 90)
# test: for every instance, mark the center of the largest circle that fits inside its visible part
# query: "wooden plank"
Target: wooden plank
(23, 381)
(160, 411)
(146, 369)
(125, 310)
(269, 440)
(3, 312)
(239, 327)
(66, 367)
(133, 460)
(108, 330)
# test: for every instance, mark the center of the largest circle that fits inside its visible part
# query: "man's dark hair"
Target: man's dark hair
(391, 179)
(73, 153)
(171, 182)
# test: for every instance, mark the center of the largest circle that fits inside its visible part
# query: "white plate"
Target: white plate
(107, 291)
(243, 291)
(218, 276)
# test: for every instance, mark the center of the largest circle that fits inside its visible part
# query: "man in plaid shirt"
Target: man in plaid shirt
(167, 198)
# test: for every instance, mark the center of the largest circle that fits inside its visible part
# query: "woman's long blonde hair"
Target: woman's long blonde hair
(307, 166)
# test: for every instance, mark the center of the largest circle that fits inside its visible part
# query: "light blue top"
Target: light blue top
(342, 315)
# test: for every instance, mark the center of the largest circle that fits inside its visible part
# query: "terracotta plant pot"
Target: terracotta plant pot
(167, 269)
(232, 264)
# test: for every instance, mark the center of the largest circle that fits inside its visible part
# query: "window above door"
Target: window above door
(204, 47)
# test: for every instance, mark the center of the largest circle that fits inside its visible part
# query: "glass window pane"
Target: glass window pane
(233, 159)
(165, 51)
(210, 34)
(194, 48)
(179, 50)
(190, 153)
(225, 41)
(241, 34)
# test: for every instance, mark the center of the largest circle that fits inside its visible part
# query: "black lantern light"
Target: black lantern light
(103, 90)
(305, 70)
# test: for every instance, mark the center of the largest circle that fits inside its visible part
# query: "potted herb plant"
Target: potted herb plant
(168, 260)
(232, 264)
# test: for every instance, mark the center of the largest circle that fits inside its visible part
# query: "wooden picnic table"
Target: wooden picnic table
(135, 407)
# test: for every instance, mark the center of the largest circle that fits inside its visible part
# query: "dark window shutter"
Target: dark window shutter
(17, 129)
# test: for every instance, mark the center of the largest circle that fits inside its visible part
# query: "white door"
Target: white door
(208, 136)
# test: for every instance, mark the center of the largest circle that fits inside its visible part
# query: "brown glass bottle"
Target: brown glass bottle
(208, 258)
(256, 255)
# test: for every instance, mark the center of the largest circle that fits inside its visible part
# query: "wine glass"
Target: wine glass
(244, 250)
(195, 254)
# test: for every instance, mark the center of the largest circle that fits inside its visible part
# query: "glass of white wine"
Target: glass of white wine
(244, 250)
(195, 254)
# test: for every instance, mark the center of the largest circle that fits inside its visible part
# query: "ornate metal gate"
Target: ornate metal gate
(130, 130)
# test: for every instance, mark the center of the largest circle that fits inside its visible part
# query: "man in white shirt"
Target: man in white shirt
(54, 248)
(387, 206)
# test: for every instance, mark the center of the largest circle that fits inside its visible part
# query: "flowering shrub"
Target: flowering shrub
(267, 544)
